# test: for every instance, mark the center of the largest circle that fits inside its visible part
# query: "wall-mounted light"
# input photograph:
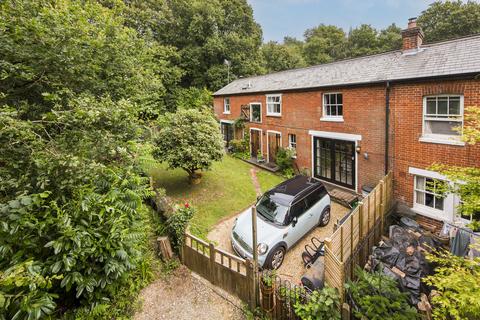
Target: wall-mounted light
(358, 148)
(365, 155)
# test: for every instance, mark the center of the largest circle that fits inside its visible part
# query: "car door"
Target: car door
(302, 226)
(315, 204)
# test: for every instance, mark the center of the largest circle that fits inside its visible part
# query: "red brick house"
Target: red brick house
(351, 121)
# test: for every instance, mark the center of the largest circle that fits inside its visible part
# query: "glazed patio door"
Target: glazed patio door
(334, 161)
(227, 132)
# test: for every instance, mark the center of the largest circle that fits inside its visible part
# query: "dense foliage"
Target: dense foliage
(376, 296)
(189, 139)
(177, 224)
(75, 87)
(321, 304)
(457, 285)
(450, 19)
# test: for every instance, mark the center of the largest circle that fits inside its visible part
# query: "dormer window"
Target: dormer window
(274, 105)
(226, 105)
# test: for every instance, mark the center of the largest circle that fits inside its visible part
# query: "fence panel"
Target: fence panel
(351, 243)
(229, 272)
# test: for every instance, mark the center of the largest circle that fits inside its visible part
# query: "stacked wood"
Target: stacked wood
(164, 248)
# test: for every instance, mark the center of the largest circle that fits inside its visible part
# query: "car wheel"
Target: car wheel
(324, 217)
(275, 258)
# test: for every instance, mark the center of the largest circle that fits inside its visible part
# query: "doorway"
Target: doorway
(274, 143)
(255, 142)
(334, 161)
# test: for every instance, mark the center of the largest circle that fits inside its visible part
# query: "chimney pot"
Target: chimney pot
(412, 36)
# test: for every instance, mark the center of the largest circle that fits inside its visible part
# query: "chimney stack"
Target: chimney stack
(412, 36)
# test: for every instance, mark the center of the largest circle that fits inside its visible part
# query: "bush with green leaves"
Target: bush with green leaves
(177, 224)
(376, 296)
(285, 159)
(457, 284)
(190, 140)
(320, 304)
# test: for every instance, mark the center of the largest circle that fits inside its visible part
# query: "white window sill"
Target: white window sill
(332, 119)
(226, 112)
(430, 212)
(450, 141)
(274, 114)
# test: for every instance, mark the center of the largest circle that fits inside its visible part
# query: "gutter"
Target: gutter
(387, 123)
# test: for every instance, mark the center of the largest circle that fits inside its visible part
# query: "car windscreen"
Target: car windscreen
(271, 210)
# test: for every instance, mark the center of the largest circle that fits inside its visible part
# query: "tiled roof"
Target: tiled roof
(454, 57)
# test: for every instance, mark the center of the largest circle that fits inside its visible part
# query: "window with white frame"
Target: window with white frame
(428, 192)
(226, 105)
(274, 105)
(255, 112)
(292, 141)
(332, 105)
(442, 117)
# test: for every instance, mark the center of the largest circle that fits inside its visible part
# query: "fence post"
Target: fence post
(341, 243)
(352, 258)
(211, 249)
(251, 285)
(360, 230)
(382, 206)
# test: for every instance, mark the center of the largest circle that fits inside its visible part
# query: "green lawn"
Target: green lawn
(224, 190)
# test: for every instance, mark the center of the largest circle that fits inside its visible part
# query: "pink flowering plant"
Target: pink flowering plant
(177, 223)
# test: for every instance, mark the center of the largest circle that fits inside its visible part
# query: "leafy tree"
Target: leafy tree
(377, 296)
(189, 139)
(280, 57)
(466, 179)
(324, 43)
(74, 82)
(57, 49)
(389, 38)
(457, 285)
(193, 98)
(450, 19)
(362, 41)
(205, 33)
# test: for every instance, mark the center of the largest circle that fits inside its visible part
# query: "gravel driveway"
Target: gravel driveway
(292, 268)
(184, 295)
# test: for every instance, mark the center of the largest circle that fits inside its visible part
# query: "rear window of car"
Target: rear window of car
(315, 196)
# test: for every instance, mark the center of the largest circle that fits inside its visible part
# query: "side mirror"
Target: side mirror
(294, 221)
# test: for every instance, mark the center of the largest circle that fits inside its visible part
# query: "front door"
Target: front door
(334, 161)
(254, 143)
(227, 132)
(273, 145)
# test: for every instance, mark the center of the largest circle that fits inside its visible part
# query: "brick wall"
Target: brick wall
(364, 114)
(406, 120)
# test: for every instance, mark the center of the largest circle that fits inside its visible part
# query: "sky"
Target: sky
(280, 18)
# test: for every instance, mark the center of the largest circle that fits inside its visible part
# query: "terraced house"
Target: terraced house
(351, 121)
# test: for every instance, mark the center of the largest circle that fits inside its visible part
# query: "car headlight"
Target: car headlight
(262, 248)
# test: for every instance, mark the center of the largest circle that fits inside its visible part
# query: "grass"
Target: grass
(224, 190)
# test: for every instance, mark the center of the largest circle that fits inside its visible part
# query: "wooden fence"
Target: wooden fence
(351, 243)
(227, 271)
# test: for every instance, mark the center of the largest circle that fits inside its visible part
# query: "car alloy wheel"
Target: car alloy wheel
(325, 219)
(277, 258)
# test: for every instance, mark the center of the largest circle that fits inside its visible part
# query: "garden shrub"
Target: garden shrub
(238, 146)
(457, 285)
(376, 296)
(177, 224)
(285, 161)
(321, 304)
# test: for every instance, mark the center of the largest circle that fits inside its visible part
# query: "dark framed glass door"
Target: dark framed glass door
(334, 161)
(227, 132)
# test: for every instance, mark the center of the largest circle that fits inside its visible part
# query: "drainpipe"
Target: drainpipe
(387, 123)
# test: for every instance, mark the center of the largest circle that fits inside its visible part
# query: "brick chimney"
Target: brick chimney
(412, 36)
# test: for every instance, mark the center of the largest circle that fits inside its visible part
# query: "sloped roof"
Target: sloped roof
(454, 57)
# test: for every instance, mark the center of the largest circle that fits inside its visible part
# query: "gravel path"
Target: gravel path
(292, 268)
(184, 295)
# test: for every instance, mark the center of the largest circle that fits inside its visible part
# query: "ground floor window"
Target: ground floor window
(427, 192)
(292, 141)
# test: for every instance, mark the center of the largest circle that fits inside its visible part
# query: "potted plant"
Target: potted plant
(260, 157)
(267, 286)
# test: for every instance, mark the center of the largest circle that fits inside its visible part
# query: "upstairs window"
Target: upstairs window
(274, 105)
(332, 107)
(226, 105)
(442, 118)
(255, 112)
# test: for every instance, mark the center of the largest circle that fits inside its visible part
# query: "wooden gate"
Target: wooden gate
(229, 272)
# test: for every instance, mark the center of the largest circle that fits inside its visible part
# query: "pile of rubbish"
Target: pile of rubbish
(401, 256)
